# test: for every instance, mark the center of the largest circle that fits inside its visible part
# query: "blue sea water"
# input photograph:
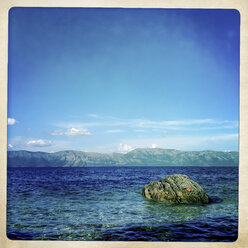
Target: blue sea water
(105, 203)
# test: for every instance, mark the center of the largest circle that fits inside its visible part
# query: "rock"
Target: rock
(176, 189)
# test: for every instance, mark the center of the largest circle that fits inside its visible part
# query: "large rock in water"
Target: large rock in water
(176, 189)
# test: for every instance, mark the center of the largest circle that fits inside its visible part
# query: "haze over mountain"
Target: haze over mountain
(137, 157)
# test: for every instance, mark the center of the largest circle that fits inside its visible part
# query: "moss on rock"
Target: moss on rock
(176, 189)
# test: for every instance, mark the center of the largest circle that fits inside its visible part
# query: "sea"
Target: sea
(106, 204)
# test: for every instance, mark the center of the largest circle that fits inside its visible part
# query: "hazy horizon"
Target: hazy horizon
(123, 152)
(112, 80)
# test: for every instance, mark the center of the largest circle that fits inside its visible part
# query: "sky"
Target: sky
(112, 80)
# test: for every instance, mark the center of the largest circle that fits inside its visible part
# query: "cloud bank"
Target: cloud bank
(143, 124)
(187, 143)
(72, 132)
(39, 143)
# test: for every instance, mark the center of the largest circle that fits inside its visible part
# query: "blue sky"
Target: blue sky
(111, 80)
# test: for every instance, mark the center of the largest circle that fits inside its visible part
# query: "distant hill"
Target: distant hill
(137, 157)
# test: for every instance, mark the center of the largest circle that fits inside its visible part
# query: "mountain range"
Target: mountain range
(137, 157)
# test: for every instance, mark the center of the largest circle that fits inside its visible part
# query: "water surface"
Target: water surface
(105, 203)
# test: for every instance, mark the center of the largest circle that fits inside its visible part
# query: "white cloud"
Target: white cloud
(72, 132)
(115, 131)
(77, 132)
(154, 146)
(186, 124)
(39, 143)
(10, 146)
(123, 148)
(12, 121)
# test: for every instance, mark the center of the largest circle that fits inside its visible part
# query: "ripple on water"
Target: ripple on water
(106, 204)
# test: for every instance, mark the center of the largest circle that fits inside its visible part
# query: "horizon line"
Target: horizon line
(144, 148)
